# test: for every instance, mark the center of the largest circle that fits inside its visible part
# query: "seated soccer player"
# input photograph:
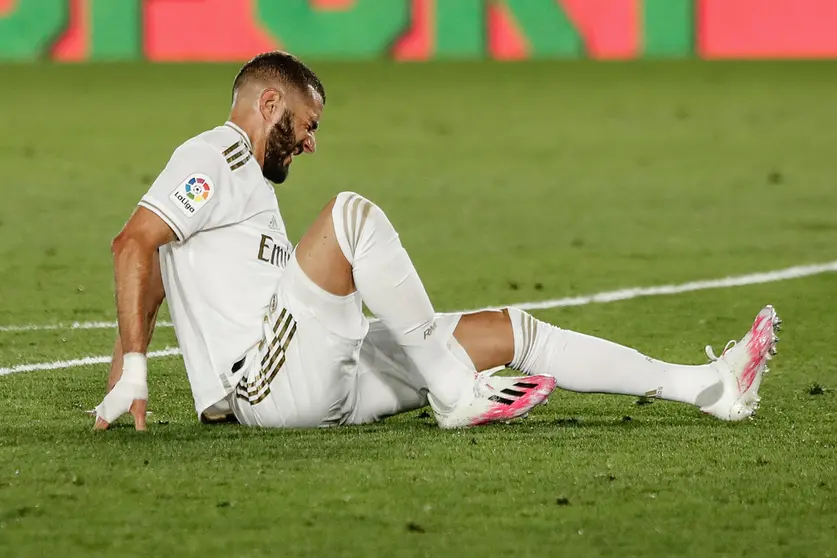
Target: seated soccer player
(274, 335)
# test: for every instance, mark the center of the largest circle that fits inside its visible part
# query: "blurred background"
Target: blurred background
(231, 30)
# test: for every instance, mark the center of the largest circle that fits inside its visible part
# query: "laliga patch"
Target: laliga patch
(193, 194)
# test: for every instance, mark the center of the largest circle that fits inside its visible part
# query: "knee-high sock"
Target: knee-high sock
(588, 364)
(392, 290)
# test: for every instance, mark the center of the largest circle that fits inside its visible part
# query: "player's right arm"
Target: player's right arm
(134, 259)
(134, 254)
(153, 302)
(182, 201)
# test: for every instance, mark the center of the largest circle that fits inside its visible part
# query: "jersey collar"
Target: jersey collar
(241, 132)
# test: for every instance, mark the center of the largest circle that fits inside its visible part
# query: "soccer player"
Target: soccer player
(274, 335)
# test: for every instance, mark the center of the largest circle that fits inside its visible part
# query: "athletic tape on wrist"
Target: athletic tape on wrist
(135, 368)
(132, 385)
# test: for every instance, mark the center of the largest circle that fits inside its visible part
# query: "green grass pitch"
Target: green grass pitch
(508, 183)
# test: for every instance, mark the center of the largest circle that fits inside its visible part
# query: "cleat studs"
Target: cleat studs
(773, 351)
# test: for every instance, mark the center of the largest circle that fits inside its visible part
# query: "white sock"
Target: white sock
(393, 291)
(588, 364)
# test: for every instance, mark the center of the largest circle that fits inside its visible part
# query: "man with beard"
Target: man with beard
(275, 336)
(272, 336)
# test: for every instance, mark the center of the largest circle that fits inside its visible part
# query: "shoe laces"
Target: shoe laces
(711, 353)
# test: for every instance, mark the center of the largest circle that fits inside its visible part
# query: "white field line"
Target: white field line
(795, 272)
(85, 361)
(73, 325)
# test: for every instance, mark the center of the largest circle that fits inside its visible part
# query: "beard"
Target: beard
(281, 144)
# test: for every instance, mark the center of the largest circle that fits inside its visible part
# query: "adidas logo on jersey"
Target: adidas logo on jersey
(273, 225)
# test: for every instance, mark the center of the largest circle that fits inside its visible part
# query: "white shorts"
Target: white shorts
(321, 363)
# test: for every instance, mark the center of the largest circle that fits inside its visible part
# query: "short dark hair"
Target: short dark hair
(280, 66)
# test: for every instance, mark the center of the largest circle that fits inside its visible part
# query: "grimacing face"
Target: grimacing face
(291, 135)
(280, 147)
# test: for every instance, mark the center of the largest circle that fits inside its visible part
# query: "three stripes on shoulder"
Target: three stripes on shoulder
(237, 154)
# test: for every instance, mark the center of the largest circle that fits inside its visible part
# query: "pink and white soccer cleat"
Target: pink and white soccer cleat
(741, 367)
(497, 398)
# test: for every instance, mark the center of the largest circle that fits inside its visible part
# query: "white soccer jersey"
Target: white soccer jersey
(231, 249)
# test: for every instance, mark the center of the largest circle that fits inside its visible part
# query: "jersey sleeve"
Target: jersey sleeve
(189, 194)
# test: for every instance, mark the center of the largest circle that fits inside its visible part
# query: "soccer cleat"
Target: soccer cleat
(496, 398)
(741, 367)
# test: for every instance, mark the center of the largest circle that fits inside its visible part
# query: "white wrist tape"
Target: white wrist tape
(135, 369)
(132, 385)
